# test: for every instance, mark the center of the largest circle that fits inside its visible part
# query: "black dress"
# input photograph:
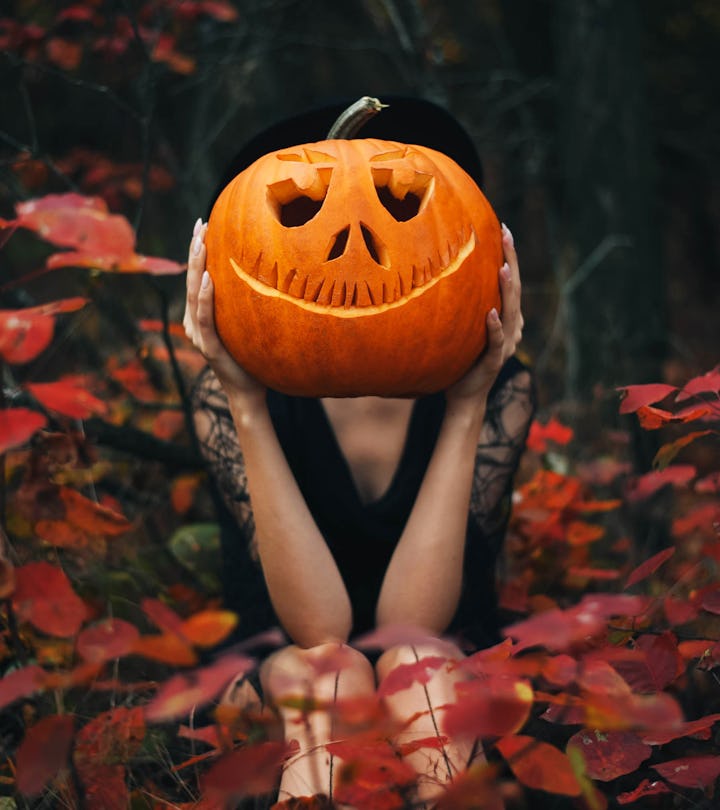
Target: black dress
(360, 535)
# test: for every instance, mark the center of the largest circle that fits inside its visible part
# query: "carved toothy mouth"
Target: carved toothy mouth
(333, 298)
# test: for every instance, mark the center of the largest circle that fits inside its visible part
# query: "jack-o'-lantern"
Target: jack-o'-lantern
(354, 267)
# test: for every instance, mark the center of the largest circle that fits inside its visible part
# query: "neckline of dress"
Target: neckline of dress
(374, 503)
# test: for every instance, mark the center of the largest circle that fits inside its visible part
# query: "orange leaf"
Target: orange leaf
(539, 765)
(91, 516)
(209, 627)
(62, 534)
(43, 752)
(17, 425)
(580, 533)
(168, 648)
(667, 452)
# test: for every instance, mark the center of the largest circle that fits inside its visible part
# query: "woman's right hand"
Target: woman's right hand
(199, 323)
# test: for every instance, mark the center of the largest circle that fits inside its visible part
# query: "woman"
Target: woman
(354, 514)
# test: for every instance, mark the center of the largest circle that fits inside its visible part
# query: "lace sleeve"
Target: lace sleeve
(219, 446)
(502, 439)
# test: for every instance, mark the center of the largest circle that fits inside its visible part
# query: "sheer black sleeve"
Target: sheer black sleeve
(510, 410)
(219, 446)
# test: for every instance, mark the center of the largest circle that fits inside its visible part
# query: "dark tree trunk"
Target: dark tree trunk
(609, 254)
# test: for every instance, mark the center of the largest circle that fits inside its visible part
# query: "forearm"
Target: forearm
(423, 580)
(305, 586)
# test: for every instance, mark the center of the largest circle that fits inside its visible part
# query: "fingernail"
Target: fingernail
(494, 317)
(505, 272)
(198, 225)
(205, 280)
(508, 235)
(196, 246)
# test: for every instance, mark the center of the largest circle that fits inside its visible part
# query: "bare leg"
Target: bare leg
(436, 767)
(325, 673)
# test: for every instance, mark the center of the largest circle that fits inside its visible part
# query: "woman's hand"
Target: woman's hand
(199, 322)
(503, 335)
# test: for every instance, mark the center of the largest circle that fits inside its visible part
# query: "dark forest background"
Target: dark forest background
(597, 122)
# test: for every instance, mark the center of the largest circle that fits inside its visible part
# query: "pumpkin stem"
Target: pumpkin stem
(351, 120)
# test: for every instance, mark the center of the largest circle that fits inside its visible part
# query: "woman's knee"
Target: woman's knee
(326, 671)
(403, 654)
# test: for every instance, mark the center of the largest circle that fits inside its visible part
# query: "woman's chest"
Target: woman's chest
(371, 433)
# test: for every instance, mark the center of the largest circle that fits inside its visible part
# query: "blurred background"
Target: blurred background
(597, 122)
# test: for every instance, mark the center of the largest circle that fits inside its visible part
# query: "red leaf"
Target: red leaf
(404, 676)
(538, 765)
(100, 239)
(693, 728)
(710, 484)
(43, 752)
(679, 611)
(691, 772)
(24, 335)
(557, 629)
(609, 754)
(649, 566)
(101, 746)
(109, 639)
(20, 683)
(708, 383)
(491, 707)
(646, 485)
(656, 665)
(67, 398)
(655, 418)
(645, 788)
(553, 431)
(17, 425)
(248, 771)
(711, 600)
(45, 598)
(370, 775)
(182, 693)
(162, 616)
(637, 396)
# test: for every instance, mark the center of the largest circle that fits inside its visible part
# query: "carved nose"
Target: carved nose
(374, 246)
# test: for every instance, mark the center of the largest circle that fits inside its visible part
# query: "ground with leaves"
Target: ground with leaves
(604, 690)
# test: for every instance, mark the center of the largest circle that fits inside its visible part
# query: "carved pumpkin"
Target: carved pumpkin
(354, 267)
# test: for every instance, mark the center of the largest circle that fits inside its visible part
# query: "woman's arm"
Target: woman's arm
(305, 586)
(424, 578)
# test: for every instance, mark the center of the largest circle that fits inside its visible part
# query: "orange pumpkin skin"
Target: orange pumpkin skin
(354, 267)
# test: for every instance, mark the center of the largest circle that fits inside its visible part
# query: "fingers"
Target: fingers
(510, 290)
(495, 341)
(206, 338)
(196, 267)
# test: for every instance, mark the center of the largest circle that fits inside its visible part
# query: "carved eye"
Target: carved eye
(403, 192)
(296, 200)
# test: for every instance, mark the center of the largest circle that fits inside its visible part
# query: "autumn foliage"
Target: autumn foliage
(114, 644)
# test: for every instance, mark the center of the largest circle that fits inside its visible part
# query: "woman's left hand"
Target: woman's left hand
(503, 335)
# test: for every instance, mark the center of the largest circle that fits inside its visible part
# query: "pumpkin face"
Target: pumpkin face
(354, 267)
